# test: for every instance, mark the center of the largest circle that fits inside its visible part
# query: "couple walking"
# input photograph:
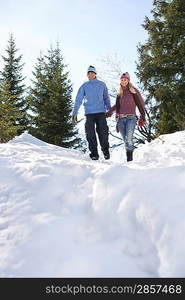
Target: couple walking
(96, 101)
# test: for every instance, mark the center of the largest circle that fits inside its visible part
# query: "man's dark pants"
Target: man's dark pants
(97, 122)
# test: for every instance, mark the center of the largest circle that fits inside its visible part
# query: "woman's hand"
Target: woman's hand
(141, 122)
(108, 114)
(110, 111)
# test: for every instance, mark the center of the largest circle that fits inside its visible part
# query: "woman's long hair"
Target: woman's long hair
(121, 90)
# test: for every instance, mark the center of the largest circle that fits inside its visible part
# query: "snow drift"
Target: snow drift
(62, 215)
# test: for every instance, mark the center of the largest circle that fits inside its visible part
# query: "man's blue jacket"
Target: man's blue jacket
(94, 94)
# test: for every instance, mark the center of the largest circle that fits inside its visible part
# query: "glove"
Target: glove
(74, 119)
(141, 122)
(110, 111)
(108, 114)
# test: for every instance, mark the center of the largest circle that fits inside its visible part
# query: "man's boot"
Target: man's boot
(129, 155)
(94, 156)
(106, 154)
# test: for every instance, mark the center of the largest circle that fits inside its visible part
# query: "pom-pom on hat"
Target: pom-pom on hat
(125, 75)
(91, 69)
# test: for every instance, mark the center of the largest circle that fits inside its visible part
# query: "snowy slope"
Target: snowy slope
(62, 215)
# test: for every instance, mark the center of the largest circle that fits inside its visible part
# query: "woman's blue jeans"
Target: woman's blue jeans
(126, 126)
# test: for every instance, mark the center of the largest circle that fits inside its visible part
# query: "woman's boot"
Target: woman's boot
(129, 155)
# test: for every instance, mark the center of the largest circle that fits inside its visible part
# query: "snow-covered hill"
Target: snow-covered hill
(62, 215)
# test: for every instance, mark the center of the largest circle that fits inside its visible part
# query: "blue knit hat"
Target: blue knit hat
(91, 69)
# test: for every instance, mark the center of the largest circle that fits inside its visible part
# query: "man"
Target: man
(96, 101)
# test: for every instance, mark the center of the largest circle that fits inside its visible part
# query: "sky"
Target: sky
(64, 215)
(86, 30)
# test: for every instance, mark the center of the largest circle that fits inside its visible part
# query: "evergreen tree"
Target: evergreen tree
(11, 78)
(8, 116)
(51, 103)
(161, 67)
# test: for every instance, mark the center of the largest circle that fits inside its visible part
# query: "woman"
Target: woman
(127, 100)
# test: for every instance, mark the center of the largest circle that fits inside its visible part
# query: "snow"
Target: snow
(63, 215)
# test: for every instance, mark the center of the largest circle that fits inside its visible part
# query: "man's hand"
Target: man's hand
(110, 111)
(108, 114)
(74, 119)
